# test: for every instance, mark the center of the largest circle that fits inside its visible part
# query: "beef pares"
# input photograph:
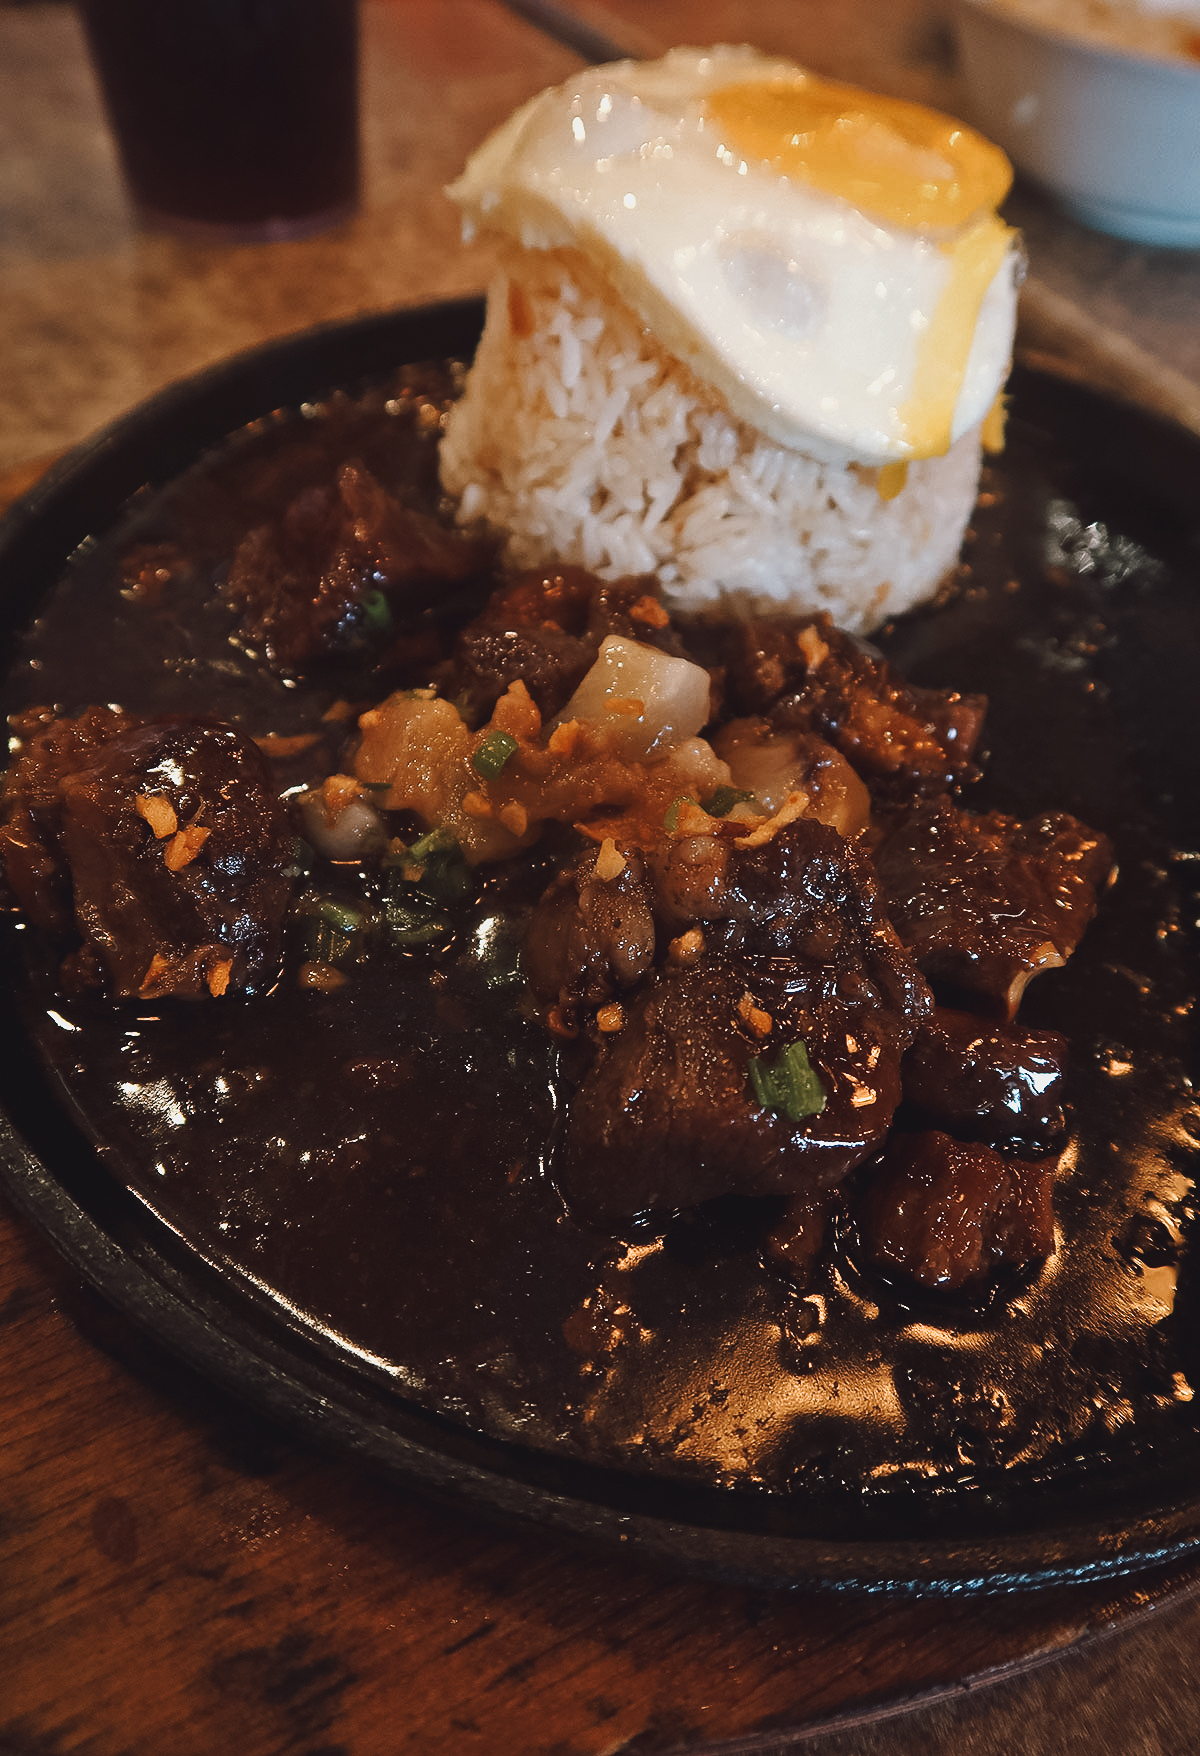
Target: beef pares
(162, 840)
(329, 573)
(593, 933)
(545, 629)
(987, 1081)
(30, 824)
(805, 675)
(951, 1217)
(984, 903)
(696, 1093)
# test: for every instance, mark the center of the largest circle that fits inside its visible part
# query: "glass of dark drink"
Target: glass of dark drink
(236, 120)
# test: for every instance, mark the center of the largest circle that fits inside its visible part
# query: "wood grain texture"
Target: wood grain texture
(176, 1573)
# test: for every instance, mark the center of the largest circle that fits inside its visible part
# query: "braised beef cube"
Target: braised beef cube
(670, 1115)
(331, 569)
(809, 676)
(953, 1217)
(764, 662)
(771, 1066)
(807, 894)
(177, 848)
(632, 607)
(984, 903)
(795, 1241)
(533, 628)
(30, 830)
(550, 662)
(987, 1081)
(545, 629)
(590, 936)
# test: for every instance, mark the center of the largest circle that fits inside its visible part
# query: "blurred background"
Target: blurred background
(98, 313)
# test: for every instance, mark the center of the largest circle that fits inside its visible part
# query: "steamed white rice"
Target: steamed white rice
(579, 440)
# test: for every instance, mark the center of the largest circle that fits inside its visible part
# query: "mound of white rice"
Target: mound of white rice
(579, 440)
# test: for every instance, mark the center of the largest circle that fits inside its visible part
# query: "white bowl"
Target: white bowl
(1115, 135)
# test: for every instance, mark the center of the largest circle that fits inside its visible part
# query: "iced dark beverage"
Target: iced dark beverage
(234, 118)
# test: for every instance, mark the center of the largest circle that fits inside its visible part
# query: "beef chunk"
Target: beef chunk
(169, 840)
(49, 748)
(808, 676)
(545, 629)
(985, 902)
(591, 935)
(669, 1115)
(795, 1241)
(987, 1081)
(805, 894)
(953, 1217)
(321, 577)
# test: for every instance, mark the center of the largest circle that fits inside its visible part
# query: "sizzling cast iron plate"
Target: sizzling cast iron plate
(1079, 617)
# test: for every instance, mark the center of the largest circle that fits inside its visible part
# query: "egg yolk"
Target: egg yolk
(901, 164)
(897, 161)
(946, 345)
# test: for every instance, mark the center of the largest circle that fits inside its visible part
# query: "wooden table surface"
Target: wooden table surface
(177, 1574)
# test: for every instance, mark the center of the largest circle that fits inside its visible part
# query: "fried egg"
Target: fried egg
(827, 260)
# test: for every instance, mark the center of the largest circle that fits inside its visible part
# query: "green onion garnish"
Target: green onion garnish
(413, 918)
(434, 841)
(725, 798)
(329, 930)
(301, 862)
(339, 915)
(377, 612)
(671, 819)
(493, 753)
(436, 867)
(789, 1086)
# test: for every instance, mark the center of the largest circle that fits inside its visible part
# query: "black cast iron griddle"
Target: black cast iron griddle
(390, 1267)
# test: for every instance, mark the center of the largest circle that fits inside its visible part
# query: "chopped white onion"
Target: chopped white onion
(356, 831)
(644, 701)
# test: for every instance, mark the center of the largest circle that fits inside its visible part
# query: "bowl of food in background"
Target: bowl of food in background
(1098, 101)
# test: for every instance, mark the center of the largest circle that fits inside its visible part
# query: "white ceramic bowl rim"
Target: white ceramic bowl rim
(1186, 73)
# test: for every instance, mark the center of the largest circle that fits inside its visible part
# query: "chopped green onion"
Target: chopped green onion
(377, 612)
(789, 1086)
(330, 931)
(671, 819)
(434, 841)
(339, 915)
(434, 865)
(413, 918)
(496, 947)
(725, 798)
(324, 943)
(447, 877)
(493, 753)
(444, 875)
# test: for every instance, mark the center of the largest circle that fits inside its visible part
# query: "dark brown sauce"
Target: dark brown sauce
(375, 1161)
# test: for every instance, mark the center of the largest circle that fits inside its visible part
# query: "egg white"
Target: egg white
(804, 314)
